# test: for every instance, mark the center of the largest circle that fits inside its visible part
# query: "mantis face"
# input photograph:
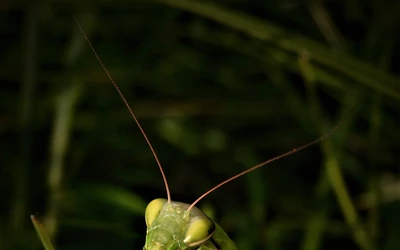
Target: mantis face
(171, 226)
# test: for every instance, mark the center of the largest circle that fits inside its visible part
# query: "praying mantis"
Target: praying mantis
(176, 225)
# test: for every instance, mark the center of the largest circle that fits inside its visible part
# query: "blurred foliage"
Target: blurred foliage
(218, 86)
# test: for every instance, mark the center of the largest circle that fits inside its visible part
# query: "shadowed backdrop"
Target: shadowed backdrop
(218, 86)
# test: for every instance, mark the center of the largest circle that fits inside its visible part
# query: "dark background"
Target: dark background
(218, 86)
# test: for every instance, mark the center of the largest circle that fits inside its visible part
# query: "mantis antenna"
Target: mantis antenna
(295, 150)
(129, 108)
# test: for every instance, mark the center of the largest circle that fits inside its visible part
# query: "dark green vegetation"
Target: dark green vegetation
(218, 89)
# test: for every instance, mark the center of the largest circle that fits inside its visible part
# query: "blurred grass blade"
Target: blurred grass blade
(65, 111)
(290, 42)
(42, 233)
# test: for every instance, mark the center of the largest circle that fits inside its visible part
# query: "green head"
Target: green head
(172, 226)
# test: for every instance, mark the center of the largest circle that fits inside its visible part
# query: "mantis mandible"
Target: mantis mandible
(175, 225)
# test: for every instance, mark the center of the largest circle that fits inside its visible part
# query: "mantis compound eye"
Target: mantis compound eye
(199, 231)
(153, 210)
